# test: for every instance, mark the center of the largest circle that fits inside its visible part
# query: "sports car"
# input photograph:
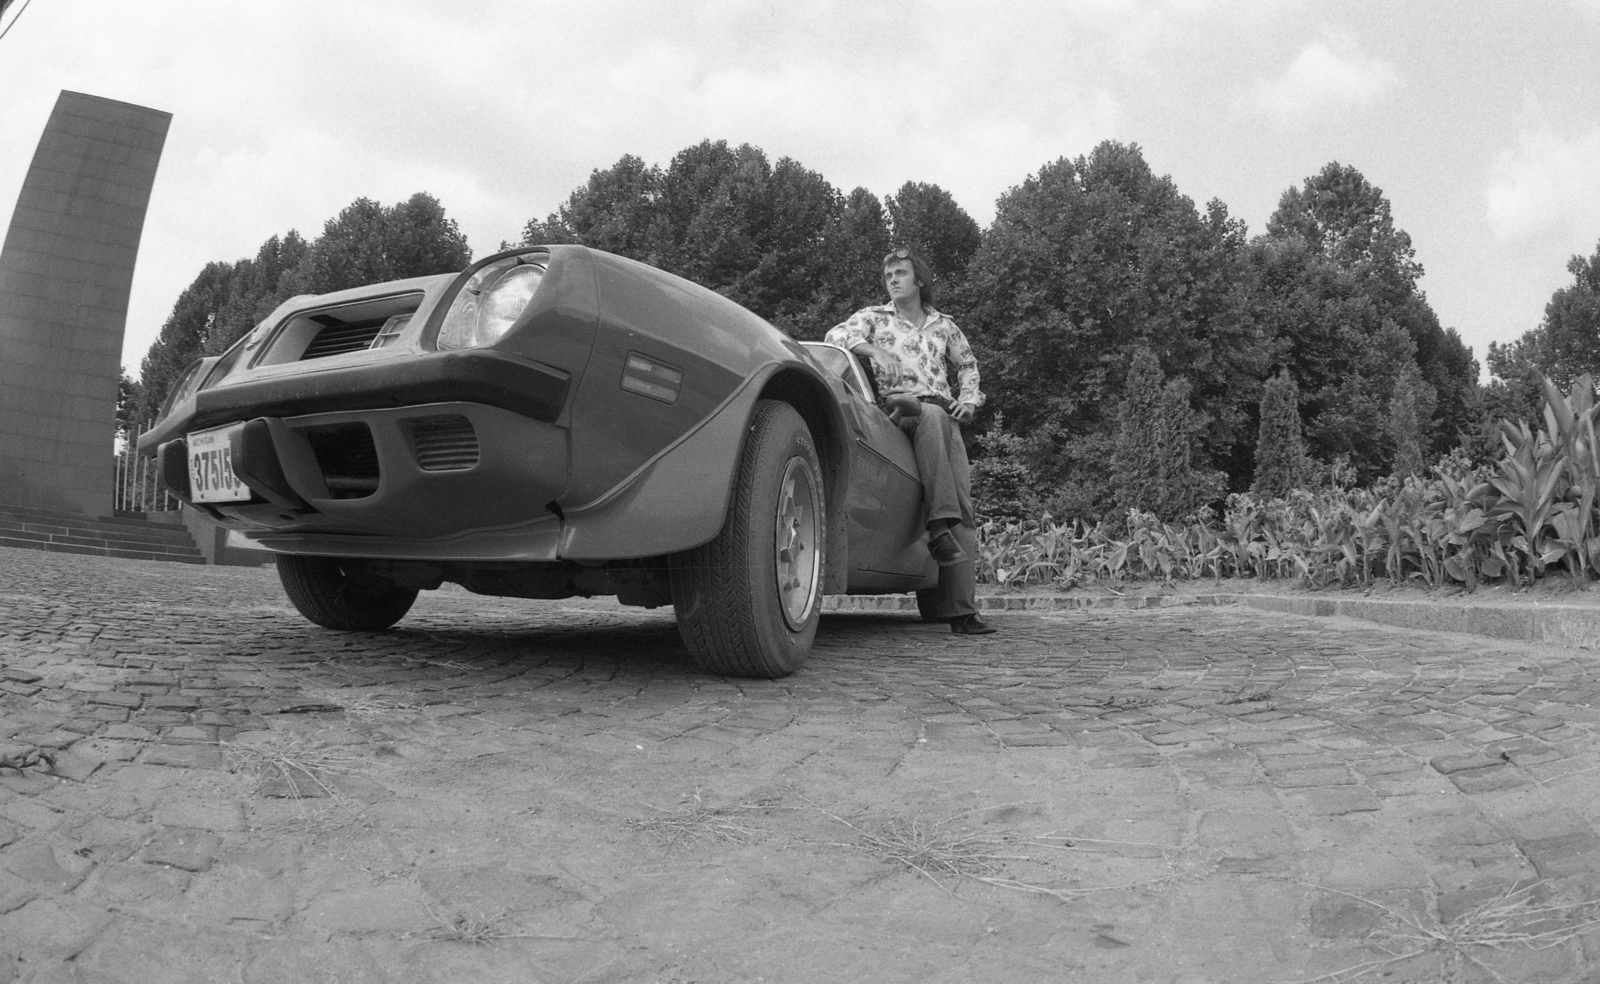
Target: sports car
(551, 422)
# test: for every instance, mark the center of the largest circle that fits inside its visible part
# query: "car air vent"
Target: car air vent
(347, 457)
(444, 443)
(338, 337)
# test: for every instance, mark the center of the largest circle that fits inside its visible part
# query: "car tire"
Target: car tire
(928, 605)
(340, 594)
(748, 602)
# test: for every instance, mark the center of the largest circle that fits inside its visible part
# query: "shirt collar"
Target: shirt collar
(891, 312)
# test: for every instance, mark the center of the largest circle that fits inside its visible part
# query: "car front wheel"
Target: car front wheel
(341, 594)
(748, 601)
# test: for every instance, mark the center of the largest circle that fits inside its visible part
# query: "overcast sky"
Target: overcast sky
(1479, 119)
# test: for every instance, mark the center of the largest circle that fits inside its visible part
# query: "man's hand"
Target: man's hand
(962, 413)
(886, 363)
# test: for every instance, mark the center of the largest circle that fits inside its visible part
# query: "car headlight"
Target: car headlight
(490, 303)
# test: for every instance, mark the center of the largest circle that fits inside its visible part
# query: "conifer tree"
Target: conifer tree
(1410, 412)
(1153, 467)
(1136, 464)
(1281, 462)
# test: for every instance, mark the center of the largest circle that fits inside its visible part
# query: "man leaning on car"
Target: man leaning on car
(910, 346)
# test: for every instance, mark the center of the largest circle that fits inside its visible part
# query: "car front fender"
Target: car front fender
(679, 498)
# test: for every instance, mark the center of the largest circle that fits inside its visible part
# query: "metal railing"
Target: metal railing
(139, 487)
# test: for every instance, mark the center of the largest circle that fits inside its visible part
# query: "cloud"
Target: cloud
(1325, 76)
(1546, 186)
(284, 114)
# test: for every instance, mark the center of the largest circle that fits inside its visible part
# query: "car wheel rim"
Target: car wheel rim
(798, 534)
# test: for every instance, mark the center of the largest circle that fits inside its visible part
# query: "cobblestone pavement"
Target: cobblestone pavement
(200, 786)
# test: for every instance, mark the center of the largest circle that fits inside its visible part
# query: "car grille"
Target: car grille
(444, 443)
(347, 457)
(338, 337)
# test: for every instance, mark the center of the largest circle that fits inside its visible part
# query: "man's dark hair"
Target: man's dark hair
(919, 269)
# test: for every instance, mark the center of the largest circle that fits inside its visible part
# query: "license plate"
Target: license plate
(211, 477)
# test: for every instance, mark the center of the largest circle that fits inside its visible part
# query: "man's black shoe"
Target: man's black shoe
(970, 625)
(946, 551)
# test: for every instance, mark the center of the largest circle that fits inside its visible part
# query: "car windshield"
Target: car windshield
(837, 361)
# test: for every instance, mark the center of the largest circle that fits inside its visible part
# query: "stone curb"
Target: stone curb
(1567, 626)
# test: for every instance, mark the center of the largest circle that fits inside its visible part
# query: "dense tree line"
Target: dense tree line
(1565, 345)
(777, 238)
(1139, 351)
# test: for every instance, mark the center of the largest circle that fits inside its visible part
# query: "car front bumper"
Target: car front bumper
(408, 481)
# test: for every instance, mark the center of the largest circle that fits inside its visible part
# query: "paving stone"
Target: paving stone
(111, 839)
(346, 961)
(35, 862)
(1574, 853)
(184, 756)
(188, 849)
(1325, 776)
(394, 907)
(1333, 801)
(1536, 755)
(131, 951)
(191, 733)
(29, 813)
(1490, 780)
(75, 766)
(54, 929)
(15, 893)
(147, 677)
(204, 815)
(171, 702)
(129, 732)
(117, 698)
(1447, 764)
(1341, 917)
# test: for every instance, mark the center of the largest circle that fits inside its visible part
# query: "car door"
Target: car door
(887, 536)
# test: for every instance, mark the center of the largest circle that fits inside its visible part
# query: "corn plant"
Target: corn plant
(1537, 507)
(1531, 475)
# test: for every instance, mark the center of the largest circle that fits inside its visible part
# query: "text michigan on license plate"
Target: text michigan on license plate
(211, 476)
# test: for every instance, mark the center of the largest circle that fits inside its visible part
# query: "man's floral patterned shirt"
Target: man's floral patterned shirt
(927, 353)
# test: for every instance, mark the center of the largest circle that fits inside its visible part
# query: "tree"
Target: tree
(1139, 459)
(1340, 298)
(369, 244)
(256, 289)
(616, 210)
(1152, 467)
(128, 399)
(1281, 463)
(854, 245)
(1410, 409)
(182, 338)
(1086, 262)
(1003, 488)
(1566, 344)
(926, 218)
(1344, 217)
(777, 238)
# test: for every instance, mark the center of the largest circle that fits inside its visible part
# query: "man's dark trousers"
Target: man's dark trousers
(947, 495)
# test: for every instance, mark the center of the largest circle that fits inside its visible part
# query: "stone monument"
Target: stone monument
(65, 273)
